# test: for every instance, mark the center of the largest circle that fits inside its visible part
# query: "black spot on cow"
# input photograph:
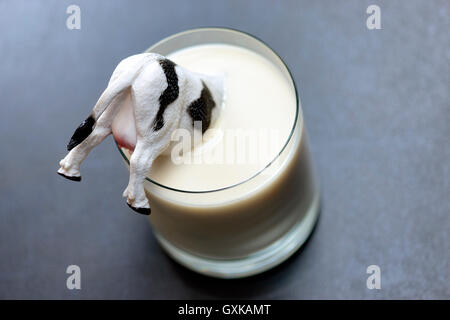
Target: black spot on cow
(81, 133)
(200, 109)
(169, 95)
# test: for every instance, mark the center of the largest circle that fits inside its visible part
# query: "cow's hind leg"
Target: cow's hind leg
(70, 165)
(150, 142)
(140, 163)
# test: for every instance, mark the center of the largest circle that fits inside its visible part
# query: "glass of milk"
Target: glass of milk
(246, 198)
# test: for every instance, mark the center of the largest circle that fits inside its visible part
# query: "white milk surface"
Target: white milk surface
(259, 100)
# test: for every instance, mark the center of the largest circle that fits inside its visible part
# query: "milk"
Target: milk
(207, 213)
(257, 97)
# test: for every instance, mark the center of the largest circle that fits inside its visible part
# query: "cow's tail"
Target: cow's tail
(120, 84)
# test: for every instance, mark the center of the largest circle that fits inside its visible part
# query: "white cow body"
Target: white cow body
(147, 98)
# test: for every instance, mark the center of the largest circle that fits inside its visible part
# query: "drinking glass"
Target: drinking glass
(229, 232)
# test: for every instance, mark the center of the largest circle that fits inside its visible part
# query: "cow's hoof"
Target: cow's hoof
(73, 178)
(144, 211)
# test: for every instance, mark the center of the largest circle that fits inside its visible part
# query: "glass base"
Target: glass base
(255, 263)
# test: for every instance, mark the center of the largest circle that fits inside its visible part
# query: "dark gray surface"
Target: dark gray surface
(377, 109)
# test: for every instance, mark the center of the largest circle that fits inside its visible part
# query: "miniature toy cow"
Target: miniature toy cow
(164, 97)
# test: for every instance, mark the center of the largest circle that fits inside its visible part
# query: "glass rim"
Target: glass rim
(297, 104)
